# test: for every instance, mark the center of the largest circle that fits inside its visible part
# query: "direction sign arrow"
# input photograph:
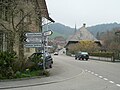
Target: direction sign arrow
(32, 45)
(33, 39)
(33, 34)
(47, 33)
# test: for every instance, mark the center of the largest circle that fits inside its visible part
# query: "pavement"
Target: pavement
(57, 74)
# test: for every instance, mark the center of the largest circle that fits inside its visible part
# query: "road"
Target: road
(70, 74)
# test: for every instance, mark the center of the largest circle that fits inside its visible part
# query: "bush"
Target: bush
(102, 54)
(7, 60)
(32, 64)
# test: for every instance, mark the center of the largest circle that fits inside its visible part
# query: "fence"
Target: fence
(112, 59)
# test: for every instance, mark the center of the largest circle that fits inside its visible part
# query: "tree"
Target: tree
(88, 46)
(17, 19)
(111, 41)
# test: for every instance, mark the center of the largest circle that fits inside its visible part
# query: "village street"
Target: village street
(70, 74)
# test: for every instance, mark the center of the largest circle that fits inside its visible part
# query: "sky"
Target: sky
(91, 12)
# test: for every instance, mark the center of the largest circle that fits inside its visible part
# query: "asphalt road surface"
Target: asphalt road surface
(70, 74)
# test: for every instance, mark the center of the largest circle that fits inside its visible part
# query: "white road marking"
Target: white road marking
(86, 70)
(105, 79)
(92, 72)
(111, 81)
(96, 74)
(100, 76)
(118, 85)
(89, 71)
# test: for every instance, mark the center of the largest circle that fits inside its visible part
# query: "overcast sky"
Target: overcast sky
(91, 12)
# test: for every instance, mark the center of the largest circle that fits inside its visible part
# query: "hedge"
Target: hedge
(102, 54)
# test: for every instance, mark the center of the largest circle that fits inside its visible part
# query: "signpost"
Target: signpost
(32, 45)
(33, 40)
(37, 40)
(47, 33)
(33, 34)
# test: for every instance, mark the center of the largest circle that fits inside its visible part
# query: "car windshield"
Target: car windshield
(84, 53)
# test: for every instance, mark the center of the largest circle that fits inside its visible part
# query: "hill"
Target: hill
(66, 31)
(102, 28)
(60, 30)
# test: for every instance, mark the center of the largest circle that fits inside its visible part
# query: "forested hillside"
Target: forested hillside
(66, 31)
(60, 30)
(103, 28)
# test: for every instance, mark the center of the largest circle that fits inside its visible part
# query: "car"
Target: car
(82, 55)
(55, 53)
(46, 56)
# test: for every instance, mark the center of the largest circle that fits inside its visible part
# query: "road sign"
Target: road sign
(32, 45)
(47, 33)
(33, 34)
(33, 40)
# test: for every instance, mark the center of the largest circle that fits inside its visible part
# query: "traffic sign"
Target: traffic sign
(32, 45)
(47, 33)
(33, 40)
(33, 34)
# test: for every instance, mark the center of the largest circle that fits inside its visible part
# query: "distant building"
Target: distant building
(81, 35)
(59, 42)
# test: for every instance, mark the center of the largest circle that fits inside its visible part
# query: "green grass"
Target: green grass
(32, 74)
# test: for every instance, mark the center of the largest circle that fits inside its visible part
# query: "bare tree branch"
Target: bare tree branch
(22, 19)
(4, 26)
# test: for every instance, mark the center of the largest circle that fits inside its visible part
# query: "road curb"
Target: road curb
(44, 83)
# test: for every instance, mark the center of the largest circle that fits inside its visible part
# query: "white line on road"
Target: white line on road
(111, 81)
(96, 74)
(100, 76)
(89, 71)
(118, 85)
(86, 70)
(105, 79)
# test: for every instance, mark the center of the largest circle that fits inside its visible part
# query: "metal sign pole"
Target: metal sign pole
(43, 51)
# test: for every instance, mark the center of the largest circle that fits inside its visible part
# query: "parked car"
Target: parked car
(82, 55)
(47, 57)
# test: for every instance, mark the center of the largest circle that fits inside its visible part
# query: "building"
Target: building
(18, 17)
(81, 35)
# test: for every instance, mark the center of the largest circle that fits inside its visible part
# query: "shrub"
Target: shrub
(102, 54)
(32, 63)
(7, 60)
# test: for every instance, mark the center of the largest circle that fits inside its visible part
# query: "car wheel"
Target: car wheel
(50, 66)
(86, 59)
(75, 58)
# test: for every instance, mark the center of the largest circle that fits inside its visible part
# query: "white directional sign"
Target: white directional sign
(32, 45)
(33, 40)
(48, 33)
(33, 34)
